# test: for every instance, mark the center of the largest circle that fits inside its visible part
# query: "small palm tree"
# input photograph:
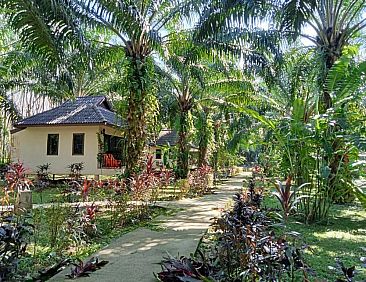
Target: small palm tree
(196, 78)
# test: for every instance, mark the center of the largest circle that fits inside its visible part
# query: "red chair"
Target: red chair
(110, 162)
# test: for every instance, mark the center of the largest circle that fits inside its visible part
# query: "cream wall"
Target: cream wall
(152, 151)
(30, 147)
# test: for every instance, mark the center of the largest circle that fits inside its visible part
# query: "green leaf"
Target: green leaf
(325, 172)
(254, 114)
(360, 195)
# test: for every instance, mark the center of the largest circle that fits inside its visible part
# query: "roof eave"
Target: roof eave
(20, 126)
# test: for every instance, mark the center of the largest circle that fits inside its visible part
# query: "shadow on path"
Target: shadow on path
(134, 256)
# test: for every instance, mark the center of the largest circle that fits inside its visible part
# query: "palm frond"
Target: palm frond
(45, 27)
(218, 17)
(296, 14)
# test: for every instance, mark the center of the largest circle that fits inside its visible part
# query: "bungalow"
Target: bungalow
(83, 130)
(162, 152)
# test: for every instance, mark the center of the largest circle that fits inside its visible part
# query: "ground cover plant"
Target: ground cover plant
(254, 241)
(60, 230)
(243, 247)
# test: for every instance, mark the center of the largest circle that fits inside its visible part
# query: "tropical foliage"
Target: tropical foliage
(279, 84)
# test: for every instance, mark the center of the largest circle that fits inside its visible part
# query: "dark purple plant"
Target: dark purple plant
(82, 269)
(14, 235)
(183, 269)
(247, 249)
(348, 273)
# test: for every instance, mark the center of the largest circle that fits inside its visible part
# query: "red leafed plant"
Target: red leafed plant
(16, 181)
(166, 177)
(149, 165)
(98, 184)
(86, 189)
(90, 212)
(287, 196)
(118, 186)
(16, 178)
(198, 180)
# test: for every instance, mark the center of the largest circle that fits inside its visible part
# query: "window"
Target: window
(158, 154)
(78, 144)
(52, 144)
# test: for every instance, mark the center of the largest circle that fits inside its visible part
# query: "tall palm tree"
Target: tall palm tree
(205, 133)
(335, 24)
(197, 80)
(184, 73)
(139, 28)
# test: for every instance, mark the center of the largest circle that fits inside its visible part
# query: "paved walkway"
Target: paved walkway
(134, 256)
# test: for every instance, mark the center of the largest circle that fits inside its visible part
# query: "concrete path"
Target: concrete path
(134, 256)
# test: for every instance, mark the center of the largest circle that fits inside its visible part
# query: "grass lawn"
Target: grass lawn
(343, 236)
(56, 195)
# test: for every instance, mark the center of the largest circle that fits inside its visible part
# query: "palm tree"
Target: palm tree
(198, 82)
(139, 28)
(8, 114)
(184, 73)
(205, 133)
(335, 24)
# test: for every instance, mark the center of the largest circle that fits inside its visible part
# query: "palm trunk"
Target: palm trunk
(136, 121)
(330, 59)
(337, 144)
(215, 161)
(183, 146)
(205, 137)
(202, 154)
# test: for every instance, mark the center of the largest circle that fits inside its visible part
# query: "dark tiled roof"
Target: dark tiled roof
(167, 137)
(82, 110)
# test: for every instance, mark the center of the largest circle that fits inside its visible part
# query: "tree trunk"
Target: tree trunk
(183, 146)
(206, 133)
(335, 162)
(330, 58)
(202, 154)
(136, 121)
(215, 154)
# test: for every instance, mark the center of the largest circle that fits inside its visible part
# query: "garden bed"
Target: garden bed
(76, 220)
(57, 235)
(254, 240)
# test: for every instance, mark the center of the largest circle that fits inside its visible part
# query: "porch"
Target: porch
(110, 154)
(109, 161)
